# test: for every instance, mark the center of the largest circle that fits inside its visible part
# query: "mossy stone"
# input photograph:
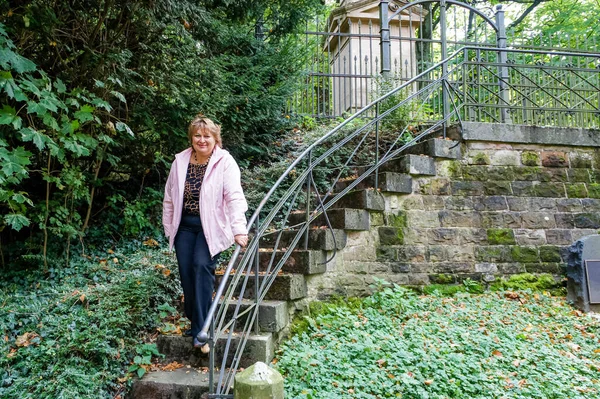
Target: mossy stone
(480, 158)
(593, 190)
(576, 190)
(492, 254)
(526, 173)
(530, 158)
(441, 278)
(387, 254)
(497, 188)
(391, 236)
(549, 253)
(397, 219)
(524, 254)
(550, 190)
(454, 169)
(501, 237)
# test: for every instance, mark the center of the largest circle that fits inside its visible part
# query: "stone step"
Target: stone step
(387, 182)
(273, 316)
(418, 165)
(300, 261)
(369, 199)
(259, 348)
(437, 148)
(318, 239)
(285, 287)
(339, 218)
(183, 383)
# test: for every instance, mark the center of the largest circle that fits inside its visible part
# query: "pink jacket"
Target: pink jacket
(222, 201)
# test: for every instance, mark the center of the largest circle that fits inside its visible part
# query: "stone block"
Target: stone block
(590, 205)
(492, 220)
(452, 267)
(553, 175)
(439, 187)
(418, 279)
(258, 381)
(318, 239)
(463, 253)
(401, 268)
(356, 267)
(530, 158)
(432, 202)
(398, 219)
(438, 253)
(443, 236)
(569, 205)
(175, 384)
(486, 268)
(530, 237)
(581, 233)
(387, 254)
(376, 219)
(416, 236)
(472, 236)
(554, 190)
(524, 254)
(459, 219)
(458, 203)
(411, 202)
(469, 188)
(493, 253)
(553, 268)
(500, 173)
(578, 175)
(576, 190)
(411, 164)
(555, 159)
(377, 267)
(505, 157)
(511, 268)
(440, 148)
(478, 158)
(537, 204)
(518, 204)
(423, 219)
(298, 261)
(549, 253)
(395, 183)
(523, 189)
(580, 160)
(360, 253)
(537, 220)
(559, 237)
(368, 199)
(412, 254)
(564, 220)
(494, 203)
(498, 188)
(273, 316)
(526, 173)
(512, 220)
(500, 237)
(475, 173)
(593, 190)
(442, 278)
(587, 220)
(391, 235)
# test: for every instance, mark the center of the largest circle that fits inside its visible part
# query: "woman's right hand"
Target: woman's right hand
(241, 239)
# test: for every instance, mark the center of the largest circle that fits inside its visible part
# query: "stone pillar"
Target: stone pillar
(258, 381)
(587, 248)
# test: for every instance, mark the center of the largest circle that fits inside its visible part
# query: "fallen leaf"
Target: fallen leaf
(172, 366)
(497, 353)
(428, 382)
(25, 339)
(150, 243)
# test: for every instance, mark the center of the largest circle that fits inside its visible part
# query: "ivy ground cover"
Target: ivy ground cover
(397, 344)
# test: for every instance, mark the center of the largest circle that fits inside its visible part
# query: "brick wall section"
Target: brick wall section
(501, 209)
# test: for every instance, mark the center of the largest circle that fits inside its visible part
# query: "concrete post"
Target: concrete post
(258, 381)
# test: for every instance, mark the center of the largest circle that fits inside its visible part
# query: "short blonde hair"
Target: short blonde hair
(202, 124)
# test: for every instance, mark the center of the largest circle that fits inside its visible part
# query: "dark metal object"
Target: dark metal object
(592, 272)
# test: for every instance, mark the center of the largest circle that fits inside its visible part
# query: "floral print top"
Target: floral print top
(191, 192)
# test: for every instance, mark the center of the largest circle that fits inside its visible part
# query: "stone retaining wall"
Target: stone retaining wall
(503, 208)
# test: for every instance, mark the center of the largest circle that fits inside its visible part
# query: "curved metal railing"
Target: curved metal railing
(475, 86)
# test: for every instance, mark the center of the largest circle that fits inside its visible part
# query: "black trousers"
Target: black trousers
(197, 270)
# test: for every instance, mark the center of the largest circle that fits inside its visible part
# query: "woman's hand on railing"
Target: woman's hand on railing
(241, 239)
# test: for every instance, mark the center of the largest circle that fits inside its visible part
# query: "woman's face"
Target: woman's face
(203, 143)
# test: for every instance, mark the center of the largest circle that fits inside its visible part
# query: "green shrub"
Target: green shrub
(80, 329)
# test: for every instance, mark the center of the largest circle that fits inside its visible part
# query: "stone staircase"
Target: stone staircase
(360, 210)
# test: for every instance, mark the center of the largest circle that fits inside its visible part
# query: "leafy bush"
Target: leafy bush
(399, 344)
(81, 329)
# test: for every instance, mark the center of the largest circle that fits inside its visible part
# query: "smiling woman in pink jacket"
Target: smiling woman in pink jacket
(203, 214)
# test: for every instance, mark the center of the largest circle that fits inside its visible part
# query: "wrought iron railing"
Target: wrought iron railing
(471, 84)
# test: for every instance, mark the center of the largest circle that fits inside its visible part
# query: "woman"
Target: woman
(203, 214)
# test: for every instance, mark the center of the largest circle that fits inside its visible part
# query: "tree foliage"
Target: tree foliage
(96, 95)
